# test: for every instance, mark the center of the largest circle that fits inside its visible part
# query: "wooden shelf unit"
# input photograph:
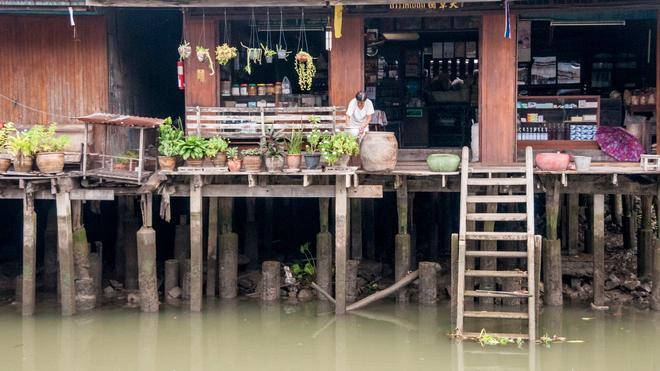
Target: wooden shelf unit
(556, 121)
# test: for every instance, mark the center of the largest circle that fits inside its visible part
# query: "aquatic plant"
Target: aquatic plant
(307, 271)
(485, 338)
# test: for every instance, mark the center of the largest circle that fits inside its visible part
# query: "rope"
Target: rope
(282, 38)
(302, 36)
(226, 33)
(30, 108)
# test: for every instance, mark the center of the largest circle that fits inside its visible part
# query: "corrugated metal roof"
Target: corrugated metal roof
(100, 118)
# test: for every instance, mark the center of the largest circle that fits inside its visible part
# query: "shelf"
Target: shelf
(642, 108)
(558, 144)
(556, 108)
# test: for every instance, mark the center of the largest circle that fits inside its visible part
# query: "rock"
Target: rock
(109, 291)
(610, 285)
(646, 287)
(116, 285)
(133, 299)
(612, 277)
(174, 293)
(85, 294)
(631, 284)
(305, 295)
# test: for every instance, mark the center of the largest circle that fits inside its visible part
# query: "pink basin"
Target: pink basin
(553, 161)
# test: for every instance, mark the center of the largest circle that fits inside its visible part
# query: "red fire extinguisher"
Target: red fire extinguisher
(181, 78)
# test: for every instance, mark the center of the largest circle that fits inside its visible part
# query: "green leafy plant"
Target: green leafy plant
(5, 132)
(268, 52)
(251, 152)
(305, 69)
(335, 146)
(44, 138)
(21, 145)
(232, 152)
(170, 137)
(193, 147)
(224, 53)
(216, 145)
(272, 142)
(127, 157)
(488, 339)
(306, 271)
(294, 143)
(314, 136)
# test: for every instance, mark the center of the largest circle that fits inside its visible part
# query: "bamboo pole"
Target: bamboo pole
(405, 281)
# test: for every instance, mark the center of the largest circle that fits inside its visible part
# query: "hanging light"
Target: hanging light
(328, 36)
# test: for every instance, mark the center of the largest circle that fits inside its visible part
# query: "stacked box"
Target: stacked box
(583, 132)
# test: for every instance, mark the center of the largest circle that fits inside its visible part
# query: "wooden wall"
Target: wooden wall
(201, 88)
(346, 66)
(497, 90)
(657, 83)
(44, 67)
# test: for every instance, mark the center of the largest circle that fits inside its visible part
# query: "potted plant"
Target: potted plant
(268, 53)
(5, 160)
(193, 150)
(49, 148)
(305, 69)
(184, 50)
(22, 146)
(336, 149)
(281, 51)
(216, 150)
(251, 159)
(202, 55)
(272, 148)
(126, 161)
(224, 53)
(312, 154)
(170, 138)
(294, 150)
(233, 159)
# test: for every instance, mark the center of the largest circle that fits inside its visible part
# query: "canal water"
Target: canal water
(244, 335)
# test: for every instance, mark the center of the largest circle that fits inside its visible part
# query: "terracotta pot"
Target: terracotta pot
(252, 163)
(194, 162)
(443, 163)
(378, 151)
(293, 161)
(120, 166)
(312, 160)
(274, 163)
(50, 162)
(167, 163)
(234, 164)
(4, 164)
(23, 164)
(343, 161)
(553, 161)
(220, 160)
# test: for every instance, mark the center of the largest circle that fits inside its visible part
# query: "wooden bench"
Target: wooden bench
(252, 123)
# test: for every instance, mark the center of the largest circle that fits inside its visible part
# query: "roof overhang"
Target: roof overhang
(243, 3)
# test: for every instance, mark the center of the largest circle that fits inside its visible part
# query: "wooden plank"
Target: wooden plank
(497, 199)
(504, 217)
(501, 315)
(28, 294)
(346, 61)
(496, 181)
(341, 243)
(313, 191)
(477, 335)
(501, 274)
(204, 91)
(496, 236)
(496, 294)
(65, 254)
(196, 243)
(497, 254)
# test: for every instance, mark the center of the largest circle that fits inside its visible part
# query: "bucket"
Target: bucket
(582, 163)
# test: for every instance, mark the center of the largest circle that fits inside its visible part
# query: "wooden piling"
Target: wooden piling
(50, 250)
(454, 279)
(617, 210)
(251, 234)
(171, 276)
(267, 229)
(628, 223)
(196, 243)
(488, 283)
(434, 240)
(270, 273)
(573, 223)
(655, 291)
(428, 282)
(65, 253)
(29, 276)
(228, 258)
(356, 229)
(182, 243)
(552, 248)
(351, 281)
(96, 272)
(131, 226)
(646, 240)
(146, 242)
(402, 241)
(212, 248)
(598, 229)
(368, 222)
(119, 258)
(341, 245)
(324, 262)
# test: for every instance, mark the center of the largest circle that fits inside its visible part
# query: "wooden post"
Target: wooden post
(646, 240)
(552, 248)
(119, 269)
(434, 241)
(402, 239)
(267, 230)
(228, 258)
(131, 223)
(270, 273)
(454, 278)
(628, 223)
(85, 290)
(50, 250)
(655, 291)
(617, 210)
(356, 229)
(598, 229)
(29, 254)
(351, 281)
(341, 216)
(171, 276)
(212, 248)
(428, 282)
(324, 250)
(196, 243)
(251, 236)
(182, 244)
(146, 244)
(96, 273)
(573, 222)
(65, 253)
(488, 283)
(369, 228)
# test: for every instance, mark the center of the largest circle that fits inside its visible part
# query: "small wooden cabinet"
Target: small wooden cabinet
(558, 122)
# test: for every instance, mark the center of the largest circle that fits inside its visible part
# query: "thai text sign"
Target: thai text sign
(444, 5)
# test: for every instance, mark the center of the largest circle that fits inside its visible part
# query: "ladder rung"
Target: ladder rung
(475, 335)
(503, 199)
(502, 315)
(497, 254)
(496, 294)
(488, 273)
(495, 217)
(496, 181)
(496, 236)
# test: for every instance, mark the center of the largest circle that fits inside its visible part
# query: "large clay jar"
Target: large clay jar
(23, 164)
(553, 161)
(167, 163)
(4, 164)
(378, 151)
(50, 162)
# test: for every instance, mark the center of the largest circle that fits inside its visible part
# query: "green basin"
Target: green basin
(443, 163)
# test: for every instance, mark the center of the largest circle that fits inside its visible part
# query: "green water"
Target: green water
(244, 335)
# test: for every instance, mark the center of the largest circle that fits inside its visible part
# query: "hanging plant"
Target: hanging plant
(268, 53)
(305, 69)
(224, 53)
(281, 47)
(202, 55)
(184, 50)
(253, 56)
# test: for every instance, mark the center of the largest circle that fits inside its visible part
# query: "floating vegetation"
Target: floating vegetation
(491, 339)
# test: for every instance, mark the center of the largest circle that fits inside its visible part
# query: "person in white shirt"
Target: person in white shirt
(358, 114)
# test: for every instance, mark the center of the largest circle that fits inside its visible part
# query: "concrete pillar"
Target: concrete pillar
(50, 250)
(182, 243)
(228, 258)
(402, 242)
(171, 276)
(65, 253)
(351, 280)
(270, 273)
(552, 248)
(251, 235)
(598, 229)
(212, 248)
(146, 241)
(196, 243)
(428, 282)
(341, 243)
(324, 250)
(29, 276)
(131, 226)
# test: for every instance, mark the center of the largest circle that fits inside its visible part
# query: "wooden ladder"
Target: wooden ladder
(515, 177)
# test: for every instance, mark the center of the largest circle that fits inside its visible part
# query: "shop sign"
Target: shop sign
(443, 5)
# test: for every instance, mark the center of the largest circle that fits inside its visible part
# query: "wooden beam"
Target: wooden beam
(281, 191)
(346, 62)
(341, 245)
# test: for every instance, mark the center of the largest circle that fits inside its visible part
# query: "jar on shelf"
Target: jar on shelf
(252, 90)
(244, 90)
(270, 89)
(278, 88)
(235, 90)
(261, 90)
